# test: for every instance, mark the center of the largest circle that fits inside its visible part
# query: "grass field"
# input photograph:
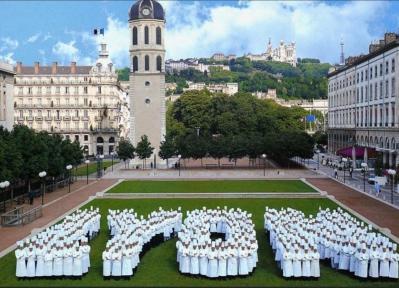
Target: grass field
(158, 267)
(82, 170)
(211, 186)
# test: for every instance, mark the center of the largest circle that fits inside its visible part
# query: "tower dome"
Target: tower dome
(146, 9)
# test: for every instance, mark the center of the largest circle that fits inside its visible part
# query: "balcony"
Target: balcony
(105, 130)
(48, 118)
(75, 118)
(85, 118)
(67, 118)
(20, 118)
(39, 118)
(29, 118)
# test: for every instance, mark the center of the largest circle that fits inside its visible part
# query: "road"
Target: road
(356, 181)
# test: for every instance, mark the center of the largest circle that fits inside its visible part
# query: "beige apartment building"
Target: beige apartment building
(6, 95)
(363, 101)
(81, 103)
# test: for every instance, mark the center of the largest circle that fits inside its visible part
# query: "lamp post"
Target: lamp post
(3, 186)
(392, 173)
(99, 165)
(42, 176)
(364, 169)
(318, 159)
(112, 161)
(69, 167)
(87, 170)
(344, 160)
(179, 156)
(264, 164)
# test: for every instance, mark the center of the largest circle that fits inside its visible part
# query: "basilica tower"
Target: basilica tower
(147, 73)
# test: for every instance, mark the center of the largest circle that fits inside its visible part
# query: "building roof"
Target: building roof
(156, 10)
(364, 58)
(47, 70)
(6, 68)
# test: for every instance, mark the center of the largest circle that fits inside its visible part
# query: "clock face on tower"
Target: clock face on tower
(146, 11)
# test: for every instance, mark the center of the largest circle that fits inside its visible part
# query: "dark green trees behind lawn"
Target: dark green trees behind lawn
(24, 153)
(200, 124)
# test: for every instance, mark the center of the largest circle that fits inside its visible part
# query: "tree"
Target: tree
(218, 148)
(167, 149)
(144, 149)
(125, 150)
(10, 157)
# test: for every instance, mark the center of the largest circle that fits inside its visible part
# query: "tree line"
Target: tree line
(24, 153)
(200, 124)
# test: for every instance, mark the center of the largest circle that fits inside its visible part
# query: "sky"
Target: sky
(48, 31)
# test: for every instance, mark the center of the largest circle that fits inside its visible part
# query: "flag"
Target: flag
(310, 118)
(98, 31)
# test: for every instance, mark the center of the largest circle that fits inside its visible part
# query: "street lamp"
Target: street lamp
(318, 159)
(42, 176)
(112, 161)
(364, 169)
(344, 160)
(4, 185)
(264, 164)
(392, 173)
(179, 156)
(69, 167)
(100, 166)
(87, 170)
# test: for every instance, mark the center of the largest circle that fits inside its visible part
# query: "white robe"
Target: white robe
(243, 262)
(116, 269)
(232, 265)
(58, 268)
(48, 264)
(30, 268)
(185, 261)
(362, 266)
(203, 264)
(194, 263)
(306, 265)
(288, 270)
(373, 269)
(77, 269)
(222, 265)
(85, 258)
(39, 262)
(106, 264)
(20, 254)
(384, 264)
(393, 266)
(212, 265)
(68, 262)
(297, 264)
(315, 265)
(127, 269)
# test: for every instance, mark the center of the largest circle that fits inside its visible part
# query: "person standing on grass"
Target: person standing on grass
(335, 173)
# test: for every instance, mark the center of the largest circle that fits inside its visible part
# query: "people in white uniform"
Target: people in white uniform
(52, 252)
(334, 235)
(233, 254)
(132, 236)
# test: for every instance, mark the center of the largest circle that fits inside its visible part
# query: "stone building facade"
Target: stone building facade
(81, 103)
(363, 101)
(6, 95)
(147, 78)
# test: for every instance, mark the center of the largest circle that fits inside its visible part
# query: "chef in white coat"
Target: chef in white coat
(39, 251)
(107, 260)
(30, 268)
(374, 260)
(232, 261)
(21, 255)
(77, 269)
(68, 260)
(384, 262)
(48, 261)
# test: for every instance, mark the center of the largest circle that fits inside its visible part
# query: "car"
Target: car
(371, 179)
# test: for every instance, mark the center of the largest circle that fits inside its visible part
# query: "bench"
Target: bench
(211, 166)
(228, 165)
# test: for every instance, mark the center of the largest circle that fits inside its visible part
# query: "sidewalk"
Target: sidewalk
(56, 204)
(377, 211)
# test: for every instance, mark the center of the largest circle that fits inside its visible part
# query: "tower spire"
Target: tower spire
(342, 58)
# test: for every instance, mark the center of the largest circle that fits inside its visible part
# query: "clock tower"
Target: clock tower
(147, 74)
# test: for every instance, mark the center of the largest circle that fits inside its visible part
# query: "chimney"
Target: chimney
(73, 67)
(37, 66)
(19, 67)
(54, 68)
(390, 37)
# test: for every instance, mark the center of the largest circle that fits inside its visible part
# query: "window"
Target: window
(381, 90)
(30, 113)
(386, 88)
(99, 89)
(146, 35)
(393, 88)
(21, 113)
(381, 69)
(85, 90)
(86, 126)
(48, 113)
(135, 36)
(159, 63)
(375, 91)
(30, 90)
(386, 67)
(86, 113)
(135, 64)
(20, 90)
(86, 138)
(57, 90)
(147, 63)
(375, 71)
(39, 101)
(39, 113)
(39, 90)
(76, 113)
(77, 138)
(371, 73)
(85, 102)
(371, 91)
(393, 65)
(67, 90)
(67, 101)
(159, 36)
(58, 114)
(76, 101)
(361, 77)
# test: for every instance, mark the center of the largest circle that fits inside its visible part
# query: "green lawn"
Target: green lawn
(159, 268)
(82, 170)
(211, 186)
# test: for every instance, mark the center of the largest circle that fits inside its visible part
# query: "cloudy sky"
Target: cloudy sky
(48, 31)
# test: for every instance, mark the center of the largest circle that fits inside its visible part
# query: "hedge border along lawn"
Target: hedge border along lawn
(211, 186)
(82, 169)
(158, 267)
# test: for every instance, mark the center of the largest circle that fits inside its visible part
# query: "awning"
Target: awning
(359, 152)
